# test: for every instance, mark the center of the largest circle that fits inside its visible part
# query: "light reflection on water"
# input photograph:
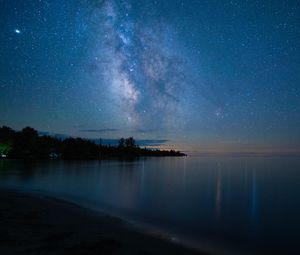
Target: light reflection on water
(251, 203)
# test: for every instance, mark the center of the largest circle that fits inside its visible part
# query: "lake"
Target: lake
(242, 205)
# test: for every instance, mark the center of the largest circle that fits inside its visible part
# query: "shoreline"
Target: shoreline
(34, 224)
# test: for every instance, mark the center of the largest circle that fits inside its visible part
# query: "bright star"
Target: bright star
(17, 31)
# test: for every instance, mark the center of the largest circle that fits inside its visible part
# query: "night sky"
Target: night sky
(208, 76)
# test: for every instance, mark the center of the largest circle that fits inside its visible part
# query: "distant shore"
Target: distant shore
(33, 224)
(28, 144)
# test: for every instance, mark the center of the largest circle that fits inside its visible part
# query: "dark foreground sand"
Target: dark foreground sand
(30, 224)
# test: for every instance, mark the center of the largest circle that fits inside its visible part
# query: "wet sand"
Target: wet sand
(32, 224)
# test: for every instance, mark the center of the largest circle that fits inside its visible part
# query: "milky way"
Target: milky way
(143, 74)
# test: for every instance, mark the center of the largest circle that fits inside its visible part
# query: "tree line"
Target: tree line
(28, 144)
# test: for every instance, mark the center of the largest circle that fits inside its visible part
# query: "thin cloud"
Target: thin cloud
(152, 142)
(102, 130)
(140, 142)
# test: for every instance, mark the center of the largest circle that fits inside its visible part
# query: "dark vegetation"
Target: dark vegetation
(28, 144)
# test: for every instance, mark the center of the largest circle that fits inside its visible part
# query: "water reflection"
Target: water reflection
(218, 193)
(244, 200)
(254, 195)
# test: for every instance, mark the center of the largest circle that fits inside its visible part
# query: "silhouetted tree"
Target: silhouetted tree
(29, 133)
(6, 134)
(121, 143)
(130, 142)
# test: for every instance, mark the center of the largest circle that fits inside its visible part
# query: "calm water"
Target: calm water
(229, 204)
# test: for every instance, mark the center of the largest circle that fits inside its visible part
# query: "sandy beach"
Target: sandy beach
(32, 224)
